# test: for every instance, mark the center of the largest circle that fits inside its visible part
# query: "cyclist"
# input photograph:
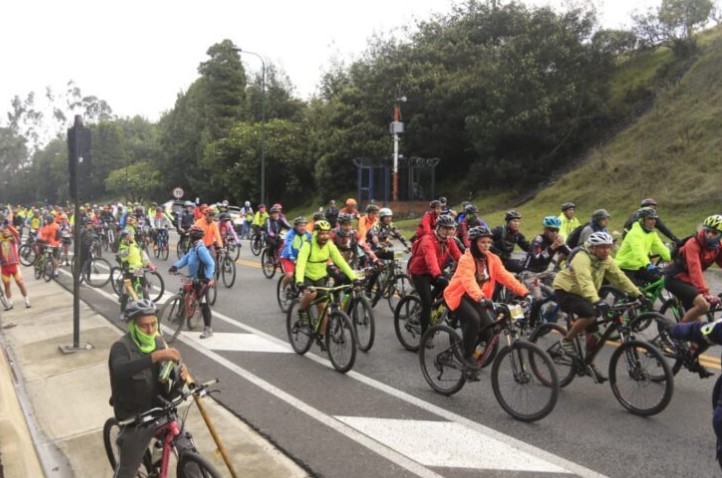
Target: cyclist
(87, 237)
(186, 219)
(661, 227)
(317, 216)
(260, 218)
(50, 235)
(428, 258)
(380, 235)
(131, 259)
(293, 243)
(470, 220)
(684, 277)
(546, 245)
(569, 220)
(367, 222)
(274, 229)
(445, 208)
(134, 365)
(638, 245)
(349, 243)
(332, 212)
(577, 289)
(504, 239)
(9, 260)
(201, 268)
(311, 268)
(160, 225)
(66, 235)
(427, 226)
(350, 208)
(598, 223)
(474, 281)
(228, 232)
(212, 235)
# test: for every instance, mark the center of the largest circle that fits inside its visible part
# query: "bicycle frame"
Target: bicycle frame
(331, 301)
(616, 325)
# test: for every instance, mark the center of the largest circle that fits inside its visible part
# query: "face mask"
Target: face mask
(144, 342)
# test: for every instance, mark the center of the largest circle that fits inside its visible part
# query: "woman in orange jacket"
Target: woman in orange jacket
(474, 280)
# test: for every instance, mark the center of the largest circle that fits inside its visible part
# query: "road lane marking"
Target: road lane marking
(234, 342)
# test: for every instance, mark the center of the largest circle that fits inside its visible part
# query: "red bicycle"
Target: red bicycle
(184, 307)
(167, 435)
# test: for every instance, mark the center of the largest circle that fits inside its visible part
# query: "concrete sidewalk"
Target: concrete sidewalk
(65, 397)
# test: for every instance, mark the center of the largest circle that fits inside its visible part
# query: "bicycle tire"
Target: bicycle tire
(300, 335)
(407, 322)
(658, 336)
(212, 294)
(235, 252)
(117, 280)
(96, 272)
(256, 245)
(228, 272)
(341, 341)
(672, 309)
(171, 318)
(638, 358)
(48, 270)
(155, 287)
(3, 299)
(193, 465)
(364, 322)
(38, 268)
(156, 250)
(27, 255)
(110, 434)
(539, 380)
(399, 288)
(442, 360)
(267, 265)
(546, 337)
(284, 295)
(164, 249)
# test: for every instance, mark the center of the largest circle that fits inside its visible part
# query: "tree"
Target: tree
(673, 24)
(137, 182)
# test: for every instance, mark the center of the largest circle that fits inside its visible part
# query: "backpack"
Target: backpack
(677, 262)
(573, 239)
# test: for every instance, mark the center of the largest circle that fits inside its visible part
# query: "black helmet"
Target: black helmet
(300, 220)
(512, 214)
(599, 214)
(443, 200)
(445, 221)
(317, 216)
(225, 216)
(139, 308)
(646, 212)
(434, 204)
(372, 208)
(470, 209)
(196, 232)
(568, 205)
(344, 218)
(479, 231)
(647, 202)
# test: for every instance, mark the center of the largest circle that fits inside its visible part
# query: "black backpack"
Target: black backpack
(573, 239)
(677, 261)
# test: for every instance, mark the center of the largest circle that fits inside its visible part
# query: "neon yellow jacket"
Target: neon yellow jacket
(131, 254)
(637, 246)
(312, 260)
(568, 225)
(584, 276)
(260, 219)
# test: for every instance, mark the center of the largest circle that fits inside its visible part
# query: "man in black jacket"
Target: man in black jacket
(506, 237)
(649, 202)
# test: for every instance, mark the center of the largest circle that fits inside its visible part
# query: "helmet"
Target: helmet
(372, 208)
(647, 202)
(195, 233)
(247, 204)
(85, 221)
(552, 222)
(274, 209)
(322, 225)
(512, 214)
(479, 231)
(713, 222)
(434, 203)
(599, 214)
(49, 218)
(445, 221)
(443, 200)
(300, 220)
(646, 212)
(278, 206)
(568, 205)
(261, 206)
(600, 238)
(470, 209)
(385, 212)
(123, 233)
(317, 216)
(344, 218)
(350, 202)
(139, 308)
(225, 217)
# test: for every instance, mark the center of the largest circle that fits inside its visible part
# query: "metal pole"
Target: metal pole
(395, 183)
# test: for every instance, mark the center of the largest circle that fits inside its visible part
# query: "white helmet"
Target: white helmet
(384, 212)
(600, 238)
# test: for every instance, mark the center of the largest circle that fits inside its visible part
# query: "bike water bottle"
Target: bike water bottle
(165, 371)
(344, 300)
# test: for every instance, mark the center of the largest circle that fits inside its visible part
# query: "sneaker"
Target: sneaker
(27, 305)
(703, 372)
(207, 332)
(322, 343)
(472, 373)
(597, 375)
(9, 307)
(567, 347)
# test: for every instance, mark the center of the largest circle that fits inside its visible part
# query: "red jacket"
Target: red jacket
(697, 259)
(428, 255)
(464, 280)
(427, 224)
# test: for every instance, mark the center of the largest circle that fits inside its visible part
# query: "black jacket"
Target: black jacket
(133, 379)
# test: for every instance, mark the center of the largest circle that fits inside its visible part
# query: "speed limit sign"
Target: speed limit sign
(178, 192)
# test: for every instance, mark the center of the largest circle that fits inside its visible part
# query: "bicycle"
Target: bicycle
(225, 267)
(183, 245)
(392, 283)
(161, 250)
(523, 377)
(407, 319)
(43, 265)
(257, 240)
(635, 367)
(286, 294)
(340, 338)
(95, 271)
(234, 248)
(183, 307)
(271, 260)
(165, 418)
(143, 280)
(358, 307)
(28, 250)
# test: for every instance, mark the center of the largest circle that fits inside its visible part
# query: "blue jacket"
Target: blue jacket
(197, 254)
(293, 244)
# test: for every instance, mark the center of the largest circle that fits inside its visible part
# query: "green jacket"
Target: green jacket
(260, 219)
(568, 225)
(585, 274)
(637, 246)
(131, 254)
(312, 261)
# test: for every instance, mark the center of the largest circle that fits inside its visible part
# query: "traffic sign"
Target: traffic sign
(178, 192)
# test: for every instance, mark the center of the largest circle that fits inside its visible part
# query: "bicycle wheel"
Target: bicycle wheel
(524, 381)
(399, 288)
(234, 250)
(164, 249)
(171, 318)
(299, 331)
(256, 244)
(154, 285)
(38, 268)
(284, 295)
(3, 300)
(116, 280)
(635, 369)
(547, 337)
(672, 310)
(110, 437)
(269, 268)
(212, 294)
(657, 334)
(96, 272)
(47, 270)
(362, 316)
(27, 255)
(156, 249)
(407, 322)
(341, 341)
(193, 465)
(228, 272)
(442, 360)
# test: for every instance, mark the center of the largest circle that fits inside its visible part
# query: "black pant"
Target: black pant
(473, 318)
(422, 284)
(642, 277)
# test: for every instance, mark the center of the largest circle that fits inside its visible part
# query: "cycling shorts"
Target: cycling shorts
(683, 291)
(574, 304)
(11, 270)
(288, 265)
(316, 283)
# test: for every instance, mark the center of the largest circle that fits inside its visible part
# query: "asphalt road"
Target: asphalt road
(382, 419)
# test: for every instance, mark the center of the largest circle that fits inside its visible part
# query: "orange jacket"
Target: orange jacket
(212, 234)
(49, 233)
(364, 224)
(464, 280)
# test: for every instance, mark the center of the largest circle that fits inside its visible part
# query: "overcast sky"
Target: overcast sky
(137, 55)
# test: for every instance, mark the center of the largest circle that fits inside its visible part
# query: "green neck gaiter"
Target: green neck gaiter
(144, 342)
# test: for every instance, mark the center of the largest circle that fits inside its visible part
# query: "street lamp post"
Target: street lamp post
(263, 120)
(396, 128)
